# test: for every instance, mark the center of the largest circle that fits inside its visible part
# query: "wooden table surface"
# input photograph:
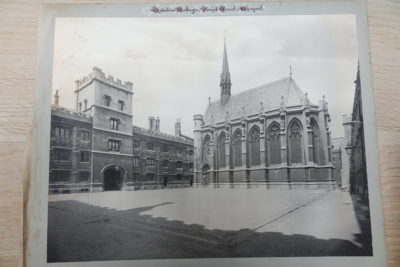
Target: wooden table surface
(18, 35)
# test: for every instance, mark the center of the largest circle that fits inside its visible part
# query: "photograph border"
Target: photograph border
(38, 192)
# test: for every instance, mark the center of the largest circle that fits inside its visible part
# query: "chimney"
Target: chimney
(347, 118)
(178, 127)
(56, 98)
(151, 123)
(158, 125)
(77, 84)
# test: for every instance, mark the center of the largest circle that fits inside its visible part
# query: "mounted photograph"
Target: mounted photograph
(207, 136)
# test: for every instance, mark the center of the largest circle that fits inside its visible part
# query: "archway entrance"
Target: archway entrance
(206, 175)
(113, 178)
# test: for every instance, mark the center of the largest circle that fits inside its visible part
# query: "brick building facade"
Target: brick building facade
(96, 147)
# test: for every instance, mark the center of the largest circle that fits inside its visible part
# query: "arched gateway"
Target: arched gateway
(113, 177)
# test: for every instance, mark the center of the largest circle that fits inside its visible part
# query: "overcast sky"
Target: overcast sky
(175, 63)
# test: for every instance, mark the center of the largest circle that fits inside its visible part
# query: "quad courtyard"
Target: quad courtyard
(207, 222)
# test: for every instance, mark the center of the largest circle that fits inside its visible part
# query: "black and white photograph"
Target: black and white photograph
(207, 136)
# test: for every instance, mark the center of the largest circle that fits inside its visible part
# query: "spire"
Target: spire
(225, 82)
(225, 66)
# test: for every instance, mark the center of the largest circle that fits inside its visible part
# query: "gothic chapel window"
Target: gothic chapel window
(254, 147)
(237, 149)
(314, 136)
(295, 139)
(221, 151)
(274, 142)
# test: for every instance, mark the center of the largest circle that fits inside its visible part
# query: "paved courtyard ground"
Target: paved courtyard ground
(206, 222)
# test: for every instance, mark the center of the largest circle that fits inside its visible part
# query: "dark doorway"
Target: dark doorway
(165, 181)
(112, 179)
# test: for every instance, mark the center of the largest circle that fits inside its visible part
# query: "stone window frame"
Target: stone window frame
(85, 135)
(165, 147)
(66, 179)
(150, 161)
(107, 100)
(136, 143)
(294, 133)
(136, 161)
(62, 132)
(221, 150)
(253, 145)
(179, 164)
(115, 123)
(237, 148)
(114, 145)
(165, 163)
(121, 105)
(150, 176)
(315, 140)
(62, 151)
(84, 156)
(81, 178)
(273, 131)
(150, 146)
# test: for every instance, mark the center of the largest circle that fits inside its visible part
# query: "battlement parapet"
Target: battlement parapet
(70, 113)
(98, 74)
(140, 130)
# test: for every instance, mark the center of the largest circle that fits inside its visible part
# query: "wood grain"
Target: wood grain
(18, 34)
(384, 35)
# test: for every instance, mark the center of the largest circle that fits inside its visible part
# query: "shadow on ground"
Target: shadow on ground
(82, 232)
(361, 209)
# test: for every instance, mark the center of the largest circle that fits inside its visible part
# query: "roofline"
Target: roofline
(257, 87)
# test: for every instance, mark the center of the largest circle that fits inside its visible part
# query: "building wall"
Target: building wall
(340, 160)
(126, 161)
(319, 170)
(68, 172)
(358, 171)
(337, 164)
(345, 157)
(154, 146)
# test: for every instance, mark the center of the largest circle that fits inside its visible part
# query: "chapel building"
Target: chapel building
(271, 134)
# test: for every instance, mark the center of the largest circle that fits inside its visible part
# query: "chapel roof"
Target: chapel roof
(269, 94)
